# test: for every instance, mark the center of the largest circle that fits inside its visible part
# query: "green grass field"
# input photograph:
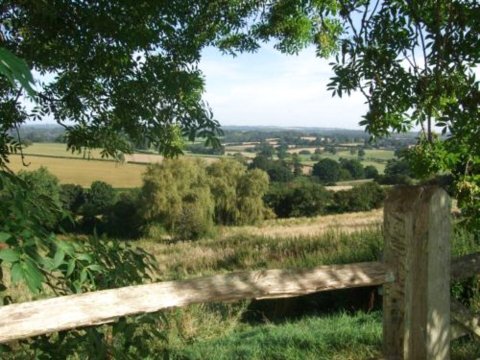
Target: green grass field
(377, 158)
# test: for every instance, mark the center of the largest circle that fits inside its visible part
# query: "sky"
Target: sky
(268, 88)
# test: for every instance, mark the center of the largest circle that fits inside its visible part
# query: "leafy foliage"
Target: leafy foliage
(235, 200)
(173, 191)
(327, 170)
(302, 198)
(363, 197)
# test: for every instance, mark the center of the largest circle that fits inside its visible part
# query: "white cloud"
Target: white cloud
(268, 88)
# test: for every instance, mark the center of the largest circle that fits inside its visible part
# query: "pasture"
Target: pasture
(86, 167)
(83, 172)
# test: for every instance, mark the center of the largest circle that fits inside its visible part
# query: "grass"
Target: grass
(374, 157)
(58, 149)
(340, 336)
(220, 331)
(227, 331)
(84, 172)
(83, 169)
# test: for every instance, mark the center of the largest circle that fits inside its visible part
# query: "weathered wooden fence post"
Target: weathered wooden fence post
(416, 319)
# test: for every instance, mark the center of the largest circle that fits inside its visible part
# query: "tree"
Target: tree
(98, 199)
(44, 184)
(114, 79)
(361, 153)
(301, 198)
(237, 192)
(277, 170)
(327, 170)
(250, 191)
(176, 194)
(414, 62)
(354, 167)
(371, 172)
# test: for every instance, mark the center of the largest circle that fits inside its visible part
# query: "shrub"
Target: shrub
(122, 219)
(43, 184)
(371, 172)
(303, 198)
(327, 170)
(72, 197)
(363, 197)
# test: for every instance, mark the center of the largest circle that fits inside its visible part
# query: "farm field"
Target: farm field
(374, 157)
(83, 172)
(60, 150)
(83, 169)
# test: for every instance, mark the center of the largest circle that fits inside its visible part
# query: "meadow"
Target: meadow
(342, 324)
(374, 157)
(333, 325)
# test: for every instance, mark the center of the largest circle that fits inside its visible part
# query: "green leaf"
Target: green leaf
(94, 267)
(66, 247)
(58, 258)
(70, 267)
(4, 236)
(16, 69)
(16, 273)
(33, 277)
(83, 275)
(85, 257)
(9, 255)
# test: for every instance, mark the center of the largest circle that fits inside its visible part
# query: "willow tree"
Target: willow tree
(237, 192)
(176, 195)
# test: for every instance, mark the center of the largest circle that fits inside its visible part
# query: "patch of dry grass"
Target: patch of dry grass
(313, 226)
(84, 172)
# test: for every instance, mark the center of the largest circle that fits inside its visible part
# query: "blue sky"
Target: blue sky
(272, 89)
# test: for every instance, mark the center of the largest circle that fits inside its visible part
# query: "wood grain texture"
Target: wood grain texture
(45, 316)
(416, 319)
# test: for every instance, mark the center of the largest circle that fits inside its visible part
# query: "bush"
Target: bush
(98, 200)
(72, 197)
(327, 170)
(371, 172)
(363, 197)
(298, 199)
(122, 218)
(43, 184)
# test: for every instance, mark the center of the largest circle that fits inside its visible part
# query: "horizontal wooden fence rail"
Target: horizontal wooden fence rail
(23, 320)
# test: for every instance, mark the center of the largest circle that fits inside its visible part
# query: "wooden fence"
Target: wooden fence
(419, 319)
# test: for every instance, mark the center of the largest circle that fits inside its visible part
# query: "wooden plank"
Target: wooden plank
(466, 318)
(416, 307)
(67, 312)
(465, 266)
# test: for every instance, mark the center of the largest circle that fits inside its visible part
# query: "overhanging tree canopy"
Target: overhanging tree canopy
(116, 71)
